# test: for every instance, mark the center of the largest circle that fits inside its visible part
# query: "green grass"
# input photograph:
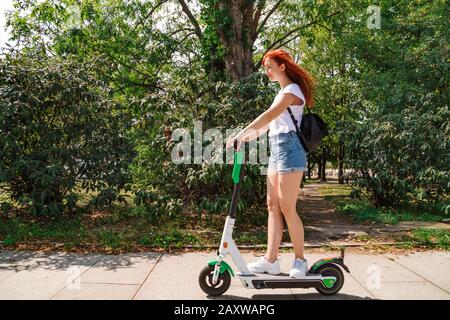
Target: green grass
(18, 229)
(426, 237)
(250, 238)
(118, 229)
(123, 227)
(430, 238)
(121, 230)
(361, 210)
(334, 190)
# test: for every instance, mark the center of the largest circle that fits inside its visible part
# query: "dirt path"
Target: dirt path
(323, 224)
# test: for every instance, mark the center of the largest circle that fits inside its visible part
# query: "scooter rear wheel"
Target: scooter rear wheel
(331, 270)
(205, 281)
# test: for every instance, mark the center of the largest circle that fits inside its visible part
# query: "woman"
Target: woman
(287, 161)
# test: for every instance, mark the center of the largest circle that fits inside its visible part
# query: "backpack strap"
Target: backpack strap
(297, 130)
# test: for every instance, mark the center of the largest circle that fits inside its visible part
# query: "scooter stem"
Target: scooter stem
(238, 176)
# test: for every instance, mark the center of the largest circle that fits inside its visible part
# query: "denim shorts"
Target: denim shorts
(286, 153)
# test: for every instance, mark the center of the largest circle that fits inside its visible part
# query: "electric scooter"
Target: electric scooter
(325, 275)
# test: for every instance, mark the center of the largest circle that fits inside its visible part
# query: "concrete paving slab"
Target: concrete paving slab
(97, 291)
(8, 258)
(409, 291)
(27, 260)
(240, 293)
(175, 277)
(369, 270)
(444, 254)
(122, 269)
(41, 277)
(6, 273)
(430, 266)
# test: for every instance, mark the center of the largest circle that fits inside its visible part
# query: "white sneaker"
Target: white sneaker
(299, 269)
(262, 266)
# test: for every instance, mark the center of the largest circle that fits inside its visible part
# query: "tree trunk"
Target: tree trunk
(324, 162)
(216, 67)
(238, 37)
(319, 167)
(341, 162)
(237, 25)
(309, 166)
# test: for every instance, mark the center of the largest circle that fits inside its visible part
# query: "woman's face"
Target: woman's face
(273, 71)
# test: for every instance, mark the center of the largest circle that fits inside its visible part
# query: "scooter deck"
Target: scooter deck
(268, 281)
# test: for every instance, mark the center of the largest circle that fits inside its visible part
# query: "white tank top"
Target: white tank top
(283, 123)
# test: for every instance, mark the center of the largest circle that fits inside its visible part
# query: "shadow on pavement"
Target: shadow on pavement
(24, 260)
(306, 296)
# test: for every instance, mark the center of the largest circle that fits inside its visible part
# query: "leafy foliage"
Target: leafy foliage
(205, 186)
(399, 147)
(384, 94)
(58, 125)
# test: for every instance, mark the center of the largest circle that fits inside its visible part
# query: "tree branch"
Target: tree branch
(143, 84)
(161, 64)
(268, 16)
(149, 14)
(256, 17)
(315, 21)
(116, 60)
(258, 11)
(191, 17)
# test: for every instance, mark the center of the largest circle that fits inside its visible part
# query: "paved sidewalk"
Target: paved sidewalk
(29, 275)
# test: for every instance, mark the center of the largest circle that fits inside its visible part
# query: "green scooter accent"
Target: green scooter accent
(336, 261)
(223, 267)
(321, 262)
(238, 159)
(328, 282)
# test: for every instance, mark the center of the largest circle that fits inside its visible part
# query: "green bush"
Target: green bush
(223, 106)
(59, 125)
(401, 159)
(155, 207)
(398, 142)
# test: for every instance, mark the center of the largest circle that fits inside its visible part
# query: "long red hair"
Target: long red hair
(296, 73)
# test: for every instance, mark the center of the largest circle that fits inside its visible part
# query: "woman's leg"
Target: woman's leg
(275, 218)
(288, 190)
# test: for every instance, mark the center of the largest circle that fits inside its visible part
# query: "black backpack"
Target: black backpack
(312, 130)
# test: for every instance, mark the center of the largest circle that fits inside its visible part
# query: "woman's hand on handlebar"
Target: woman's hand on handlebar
(230, 142)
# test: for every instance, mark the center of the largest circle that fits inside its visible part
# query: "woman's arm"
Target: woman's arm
(267, 116)
(264, 119)
(253, 134)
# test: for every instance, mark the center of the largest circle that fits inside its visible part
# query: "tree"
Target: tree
(236, 26)
(399, 145)
(328, 56)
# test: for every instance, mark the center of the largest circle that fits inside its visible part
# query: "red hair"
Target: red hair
(296, 73)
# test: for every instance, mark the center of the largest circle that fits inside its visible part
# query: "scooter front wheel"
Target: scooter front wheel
(205, 280)
(331, 270)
